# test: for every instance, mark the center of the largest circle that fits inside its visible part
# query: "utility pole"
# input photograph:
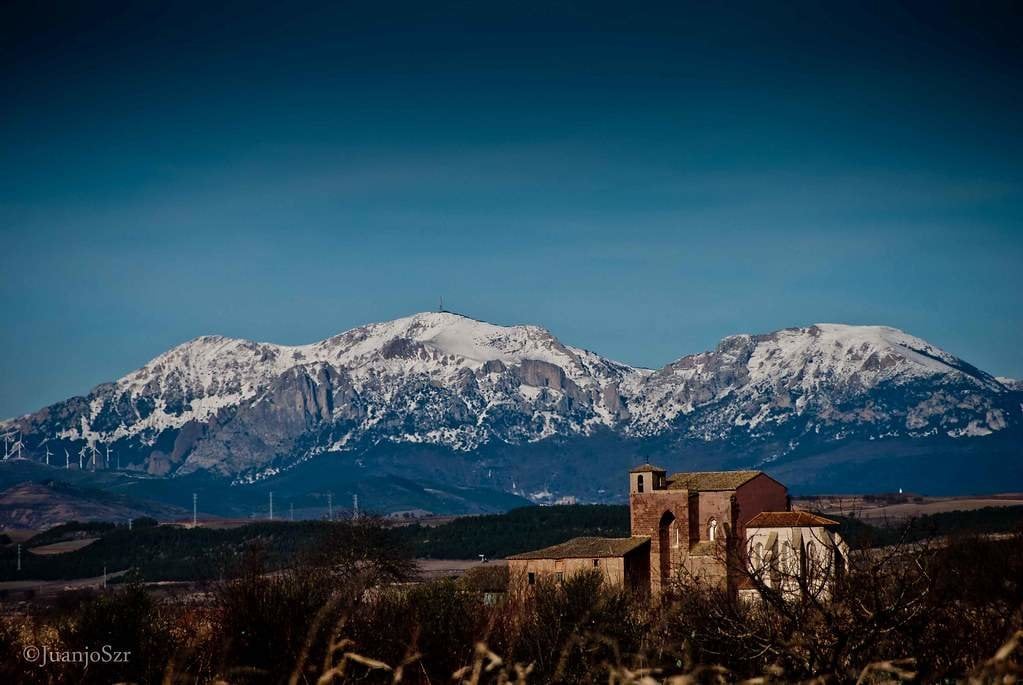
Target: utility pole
(195, 504)
(330, 506)
(271, 505)
(355, 506)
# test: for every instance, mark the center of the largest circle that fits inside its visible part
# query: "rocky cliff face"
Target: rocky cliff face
(440, 383)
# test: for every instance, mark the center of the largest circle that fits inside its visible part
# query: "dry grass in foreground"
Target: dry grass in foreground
(347, 614)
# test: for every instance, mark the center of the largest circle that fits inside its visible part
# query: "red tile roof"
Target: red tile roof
(581, 548)
(646, 467)
(710, 480)
(788, 519)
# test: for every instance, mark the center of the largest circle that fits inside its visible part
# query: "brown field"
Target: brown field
(215, 523)
(430, 569)
(49, 588)
(63, 546)
(896, 507)
(19, 534)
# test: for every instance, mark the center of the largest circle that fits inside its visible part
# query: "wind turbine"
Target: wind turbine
(18, 445)
(81, 456)
(108, 456)
(48, 454)
(7, 445)
(92, 446)
(67, 459)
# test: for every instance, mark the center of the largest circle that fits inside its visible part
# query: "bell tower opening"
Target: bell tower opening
(647, 478)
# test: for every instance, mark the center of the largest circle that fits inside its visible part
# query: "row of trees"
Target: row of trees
(176, 553)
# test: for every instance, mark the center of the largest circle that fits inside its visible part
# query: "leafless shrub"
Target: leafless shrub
(948, 610)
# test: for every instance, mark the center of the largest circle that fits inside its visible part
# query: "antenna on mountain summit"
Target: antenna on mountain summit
(440, 307)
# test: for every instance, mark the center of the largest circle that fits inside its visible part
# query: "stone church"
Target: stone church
(720, 527)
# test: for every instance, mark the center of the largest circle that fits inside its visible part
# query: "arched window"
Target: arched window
(664, 546)
(639, 483)
(712, 529)
(789, 560)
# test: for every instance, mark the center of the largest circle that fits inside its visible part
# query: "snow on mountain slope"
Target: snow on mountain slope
(193, 381)
(450, 335)
(839, 353)
(790, 371)
(248, 410)
(1010, 383)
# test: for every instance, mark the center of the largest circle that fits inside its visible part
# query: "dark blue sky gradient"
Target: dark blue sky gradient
(642, 179)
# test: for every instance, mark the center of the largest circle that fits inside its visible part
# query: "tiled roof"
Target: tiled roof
(646, 467)
(788, 519)
(580, 548)
(710, 480)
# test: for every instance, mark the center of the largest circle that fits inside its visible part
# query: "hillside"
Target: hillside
(34, 506)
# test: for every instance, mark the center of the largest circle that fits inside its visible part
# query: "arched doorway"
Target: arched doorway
(665, 537)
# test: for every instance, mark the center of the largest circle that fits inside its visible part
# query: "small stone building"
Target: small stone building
(703, 525)
(623, 561)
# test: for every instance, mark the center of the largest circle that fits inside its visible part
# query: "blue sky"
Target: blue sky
(640, 180)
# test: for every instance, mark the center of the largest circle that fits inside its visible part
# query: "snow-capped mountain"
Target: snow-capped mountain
(1010, 383)
(828, 375)
(514, 408)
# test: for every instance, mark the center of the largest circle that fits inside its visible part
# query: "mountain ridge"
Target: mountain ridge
(249, 410)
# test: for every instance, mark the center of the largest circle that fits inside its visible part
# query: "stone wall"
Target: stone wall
(646, 512)
(709, 568)
(762, 493)
(613, 569)
(637, 569)
(783, 555)
(715, 505)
